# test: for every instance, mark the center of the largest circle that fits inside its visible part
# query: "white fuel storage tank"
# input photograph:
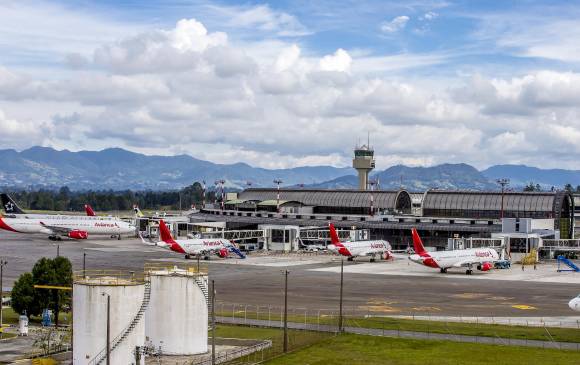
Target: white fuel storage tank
(176, 321)
(129, 297)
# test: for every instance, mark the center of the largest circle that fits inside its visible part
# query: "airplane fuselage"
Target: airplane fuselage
(456, 258)
(33, 223)
(362, 248)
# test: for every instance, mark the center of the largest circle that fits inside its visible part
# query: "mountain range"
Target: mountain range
(119, 169)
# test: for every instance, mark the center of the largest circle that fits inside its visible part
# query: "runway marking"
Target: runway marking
(379, 308)
(524, 307)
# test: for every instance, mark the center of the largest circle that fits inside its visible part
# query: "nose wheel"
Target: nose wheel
(443, 271)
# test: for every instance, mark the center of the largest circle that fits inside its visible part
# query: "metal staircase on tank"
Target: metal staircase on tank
(203, 284)
(102, 355)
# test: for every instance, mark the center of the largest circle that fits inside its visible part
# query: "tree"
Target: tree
(57, 271)
(24, 298)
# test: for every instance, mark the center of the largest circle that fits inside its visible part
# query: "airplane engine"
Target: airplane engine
(223, 253)
(386, 255)
(78, 234)
(486, 266)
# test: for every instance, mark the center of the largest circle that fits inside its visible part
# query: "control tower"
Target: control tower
(363, 162)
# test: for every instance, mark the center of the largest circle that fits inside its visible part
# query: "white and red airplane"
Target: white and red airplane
(198, 246)
(481, 258)
(57, 226)
(375, 248)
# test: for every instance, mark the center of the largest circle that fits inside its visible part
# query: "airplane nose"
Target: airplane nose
(573, 304)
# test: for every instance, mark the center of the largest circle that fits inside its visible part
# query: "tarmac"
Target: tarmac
(382, 288)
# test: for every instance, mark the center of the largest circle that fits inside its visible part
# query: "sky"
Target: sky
(296, 83)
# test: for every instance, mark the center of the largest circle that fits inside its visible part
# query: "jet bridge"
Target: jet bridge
(284, 237)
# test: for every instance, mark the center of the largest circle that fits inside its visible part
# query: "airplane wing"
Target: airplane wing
(56, 230)
(467, 263)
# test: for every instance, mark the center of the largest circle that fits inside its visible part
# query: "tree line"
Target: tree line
(536, 187)
(66, 200)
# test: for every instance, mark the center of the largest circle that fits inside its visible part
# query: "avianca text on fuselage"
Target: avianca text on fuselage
(481, 258)
(351, 250)
(196, 247)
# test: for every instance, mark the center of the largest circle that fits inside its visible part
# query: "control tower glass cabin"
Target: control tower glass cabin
(363, 162)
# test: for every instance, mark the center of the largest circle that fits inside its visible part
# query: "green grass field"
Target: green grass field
(473, 329)
(356, 349)
(10, 317)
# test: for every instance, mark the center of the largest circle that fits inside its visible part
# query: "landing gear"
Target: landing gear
(373, 258)
(187, 257)
(350, 258)
(55, 238)
(206, 258)
(468, 272)
(119, 237)
(443, 271)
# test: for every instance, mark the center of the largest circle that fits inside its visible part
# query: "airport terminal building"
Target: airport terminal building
(437, 214)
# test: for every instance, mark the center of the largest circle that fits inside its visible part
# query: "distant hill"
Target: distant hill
(118, 169)
(521, 175)
(446, 176)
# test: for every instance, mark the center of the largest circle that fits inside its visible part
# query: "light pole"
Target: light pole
(503, 182)
(212, 322)
(108, 328)
(278, 182)
(2, 264)
(286, 311)
(84, 264)
(341, 284)
(203, 194)
(372, 184)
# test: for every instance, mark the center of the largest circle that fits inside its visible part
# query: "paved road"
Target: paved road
(406, 334)
(263, 285)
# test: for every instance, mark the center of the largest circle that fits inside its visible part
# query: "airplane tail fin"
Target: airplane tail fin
(10, 206)
(137, 211)
(164, 233)
(89, 210)
(333, 235)
(237, 251)
(417, 243)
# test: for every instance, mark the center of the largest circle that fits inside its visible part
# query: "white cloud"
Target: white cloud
(340, 61)
(193, 90)
(263, 18)
(395, 25)
(430, 15)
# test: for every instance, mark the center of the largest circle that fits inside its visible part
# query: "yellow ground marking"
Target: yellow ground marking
(523, 307)
(469, 295)
(427, 309)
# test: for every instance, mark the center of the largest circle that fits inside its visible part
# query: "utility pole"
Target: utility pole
(340, 305)
(57, 250)
(203, 194)
(2, 264)
(372, 184)
(503, 182)
(212, 322)
(84, 264)
(278, 182)
(286, 311)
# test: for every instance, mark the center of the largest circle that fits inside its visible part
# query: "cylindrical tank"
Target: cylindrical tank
(176, 321)
(128, 301)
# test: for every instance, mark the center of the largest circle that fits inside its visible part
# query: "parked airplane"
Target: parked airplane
(198, 246)
(574, 304)
(351, 250)
(481, 258)
(57, 226)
